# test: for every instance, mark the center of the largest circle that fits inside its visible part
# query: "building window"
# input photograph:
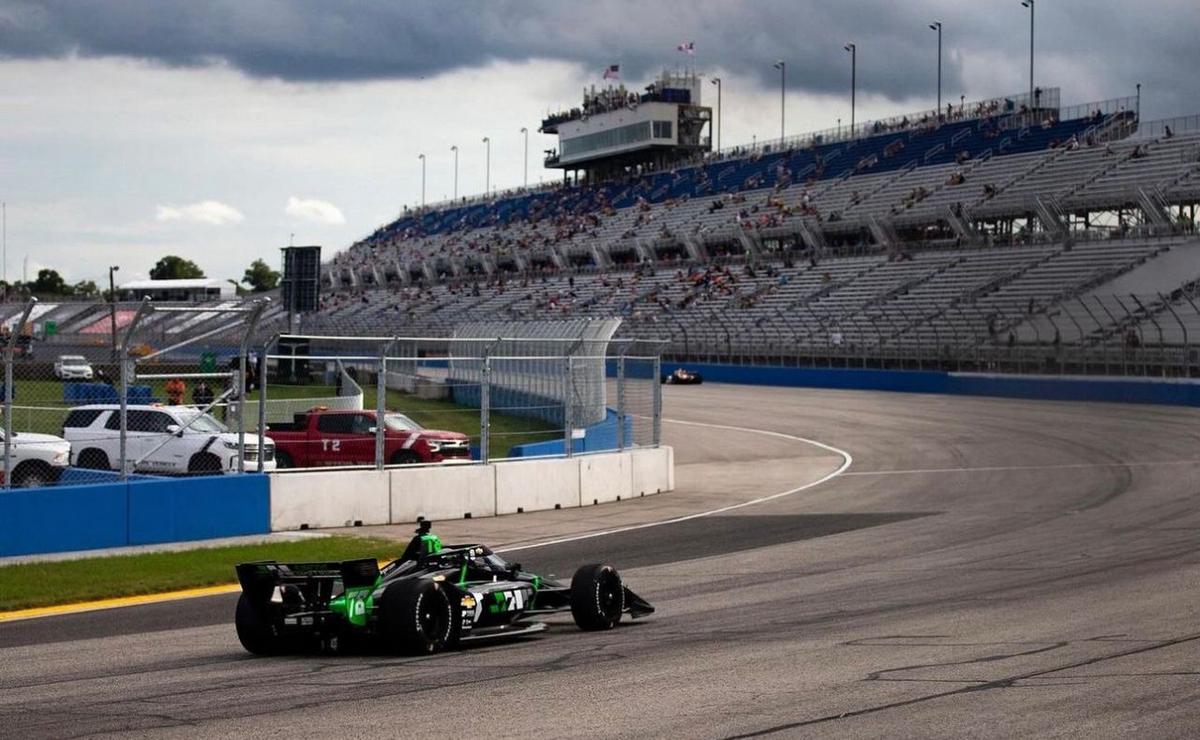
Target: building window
(662, 129)
(617, 137)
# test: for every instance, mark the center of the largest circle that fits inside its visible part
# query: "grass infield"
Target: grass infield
(30, 585)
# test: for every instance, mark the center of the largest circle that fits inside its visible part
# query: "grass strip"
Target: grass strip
(29, 585)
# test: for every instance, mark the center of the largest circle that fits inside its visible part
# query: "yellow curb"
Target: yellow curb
(91, 606)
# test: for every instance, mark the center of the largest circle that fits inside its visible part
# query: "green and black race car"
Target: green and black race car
(433, 598)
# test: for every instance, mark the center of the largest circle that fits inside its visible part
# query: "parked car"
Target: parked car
(172, 440)
(37, 459)
(323, 437)
(73, 367)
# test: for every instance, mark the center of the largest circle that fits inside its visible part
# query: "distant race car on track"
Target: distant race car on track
(683, 377)
(433, 598)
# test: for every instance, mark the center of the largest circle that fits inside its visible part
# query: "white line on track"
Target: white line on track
(1004, 468)
(847, 460)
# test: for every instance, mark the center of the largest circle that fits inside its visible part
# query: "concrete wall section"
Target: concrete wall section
(536, 485)
(653, 470)
(604, 478)
(85, 517)
(330, 498)
(62, 518)
(198, 508)
(443, 492)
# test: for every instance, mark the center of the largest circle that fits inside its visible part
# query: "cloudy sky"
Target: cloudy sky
(217, 129)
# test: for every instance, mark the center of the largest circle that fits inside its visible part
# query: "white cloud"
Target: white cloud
(205, 212)
(317, 211)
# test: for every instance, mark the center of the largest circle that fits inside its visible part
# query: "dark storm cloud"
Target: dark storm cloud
(316, 40)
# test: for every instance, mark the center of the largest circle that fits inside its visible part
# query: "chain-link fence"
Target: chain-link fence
(172, 403)
(448, 400)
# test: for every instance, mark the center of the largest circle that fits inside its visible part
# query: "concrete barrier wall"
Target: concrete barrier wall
(1174, 392)
(535, 485)
(443, 492)
(653, 470)
(330, 498)
(605, 478)
(342, 498)
(84, 517)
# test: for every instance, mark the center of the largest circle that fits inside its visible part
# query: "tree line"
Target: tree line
(258, 278)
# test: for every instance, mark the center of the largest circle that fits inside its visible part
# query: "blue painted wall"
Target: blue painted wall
(597, 438)
(138, 512)
(1120, 390)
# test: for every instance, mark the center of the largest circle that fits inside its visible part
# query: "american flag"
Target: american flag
(612, 72)
(687, 47)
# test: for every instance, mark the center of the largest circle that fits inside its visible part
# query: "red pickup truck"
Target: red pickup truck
(325, 438)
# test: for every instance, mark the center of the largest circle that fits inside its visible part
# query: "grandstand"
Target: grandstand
(994, 234)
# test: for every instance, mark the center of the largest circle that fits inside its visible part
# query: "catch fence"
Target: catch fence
(180, 406)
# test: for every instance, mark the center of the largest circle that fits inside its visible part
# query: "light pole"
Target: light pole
(455, 150)
(1138, 109)
(422, 158)
(937, 26)
(526, 132)
(782, 67)
(853, 81)
(717, 81)
(1029, 4)
(487, 168)
(112, 308)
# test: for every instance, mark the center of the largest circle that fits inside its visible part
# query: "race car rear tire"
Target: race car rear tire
(417, 617)
(597, 597)
(283, 460)
(255, 632)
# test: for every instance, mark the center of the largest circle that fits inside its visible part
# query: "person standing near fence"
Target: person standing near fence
(175, 389)
(202, 395)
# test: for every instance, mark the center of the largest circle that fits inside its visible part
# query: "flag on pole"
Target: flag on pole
(687, 47)
(612, 72)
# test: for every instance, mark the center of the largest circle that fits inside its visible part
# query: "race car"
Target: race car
(433, 598)
(683, 377)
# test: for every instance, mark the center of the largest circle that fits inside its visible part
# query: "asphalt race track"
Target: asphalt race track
(984, 567)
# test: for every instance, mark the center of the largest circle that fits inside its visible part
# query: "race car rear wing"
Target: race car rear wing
(259, 579)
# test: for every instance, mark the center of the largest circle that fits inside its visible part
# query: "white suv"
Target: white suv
(173, 440)
(73, 367)
(37, 459)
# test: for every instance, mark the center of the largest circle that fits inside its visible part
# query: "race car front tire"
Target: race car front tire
(256, 633)
(417, 617)
(597, 597)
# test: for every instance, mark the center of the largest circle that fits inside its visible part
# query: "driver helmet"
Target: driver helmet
(431, 544)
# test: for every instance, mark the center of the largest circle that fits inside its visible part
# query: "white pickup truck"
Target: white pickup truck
(37, 459)
(172, 440)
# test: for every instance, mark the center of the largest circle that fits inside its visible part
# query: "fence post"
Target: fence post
(244, 380)
(262, 403)
(485, 409)
(568, 407)
(656, 420)
(380, 403)
(9, 354)
(126, 368)
(621, 401)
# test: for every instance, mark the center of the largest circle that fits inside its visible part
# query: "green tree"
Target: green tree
(260, 277)
(175, 268)
(49, 282)
(85, 289)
